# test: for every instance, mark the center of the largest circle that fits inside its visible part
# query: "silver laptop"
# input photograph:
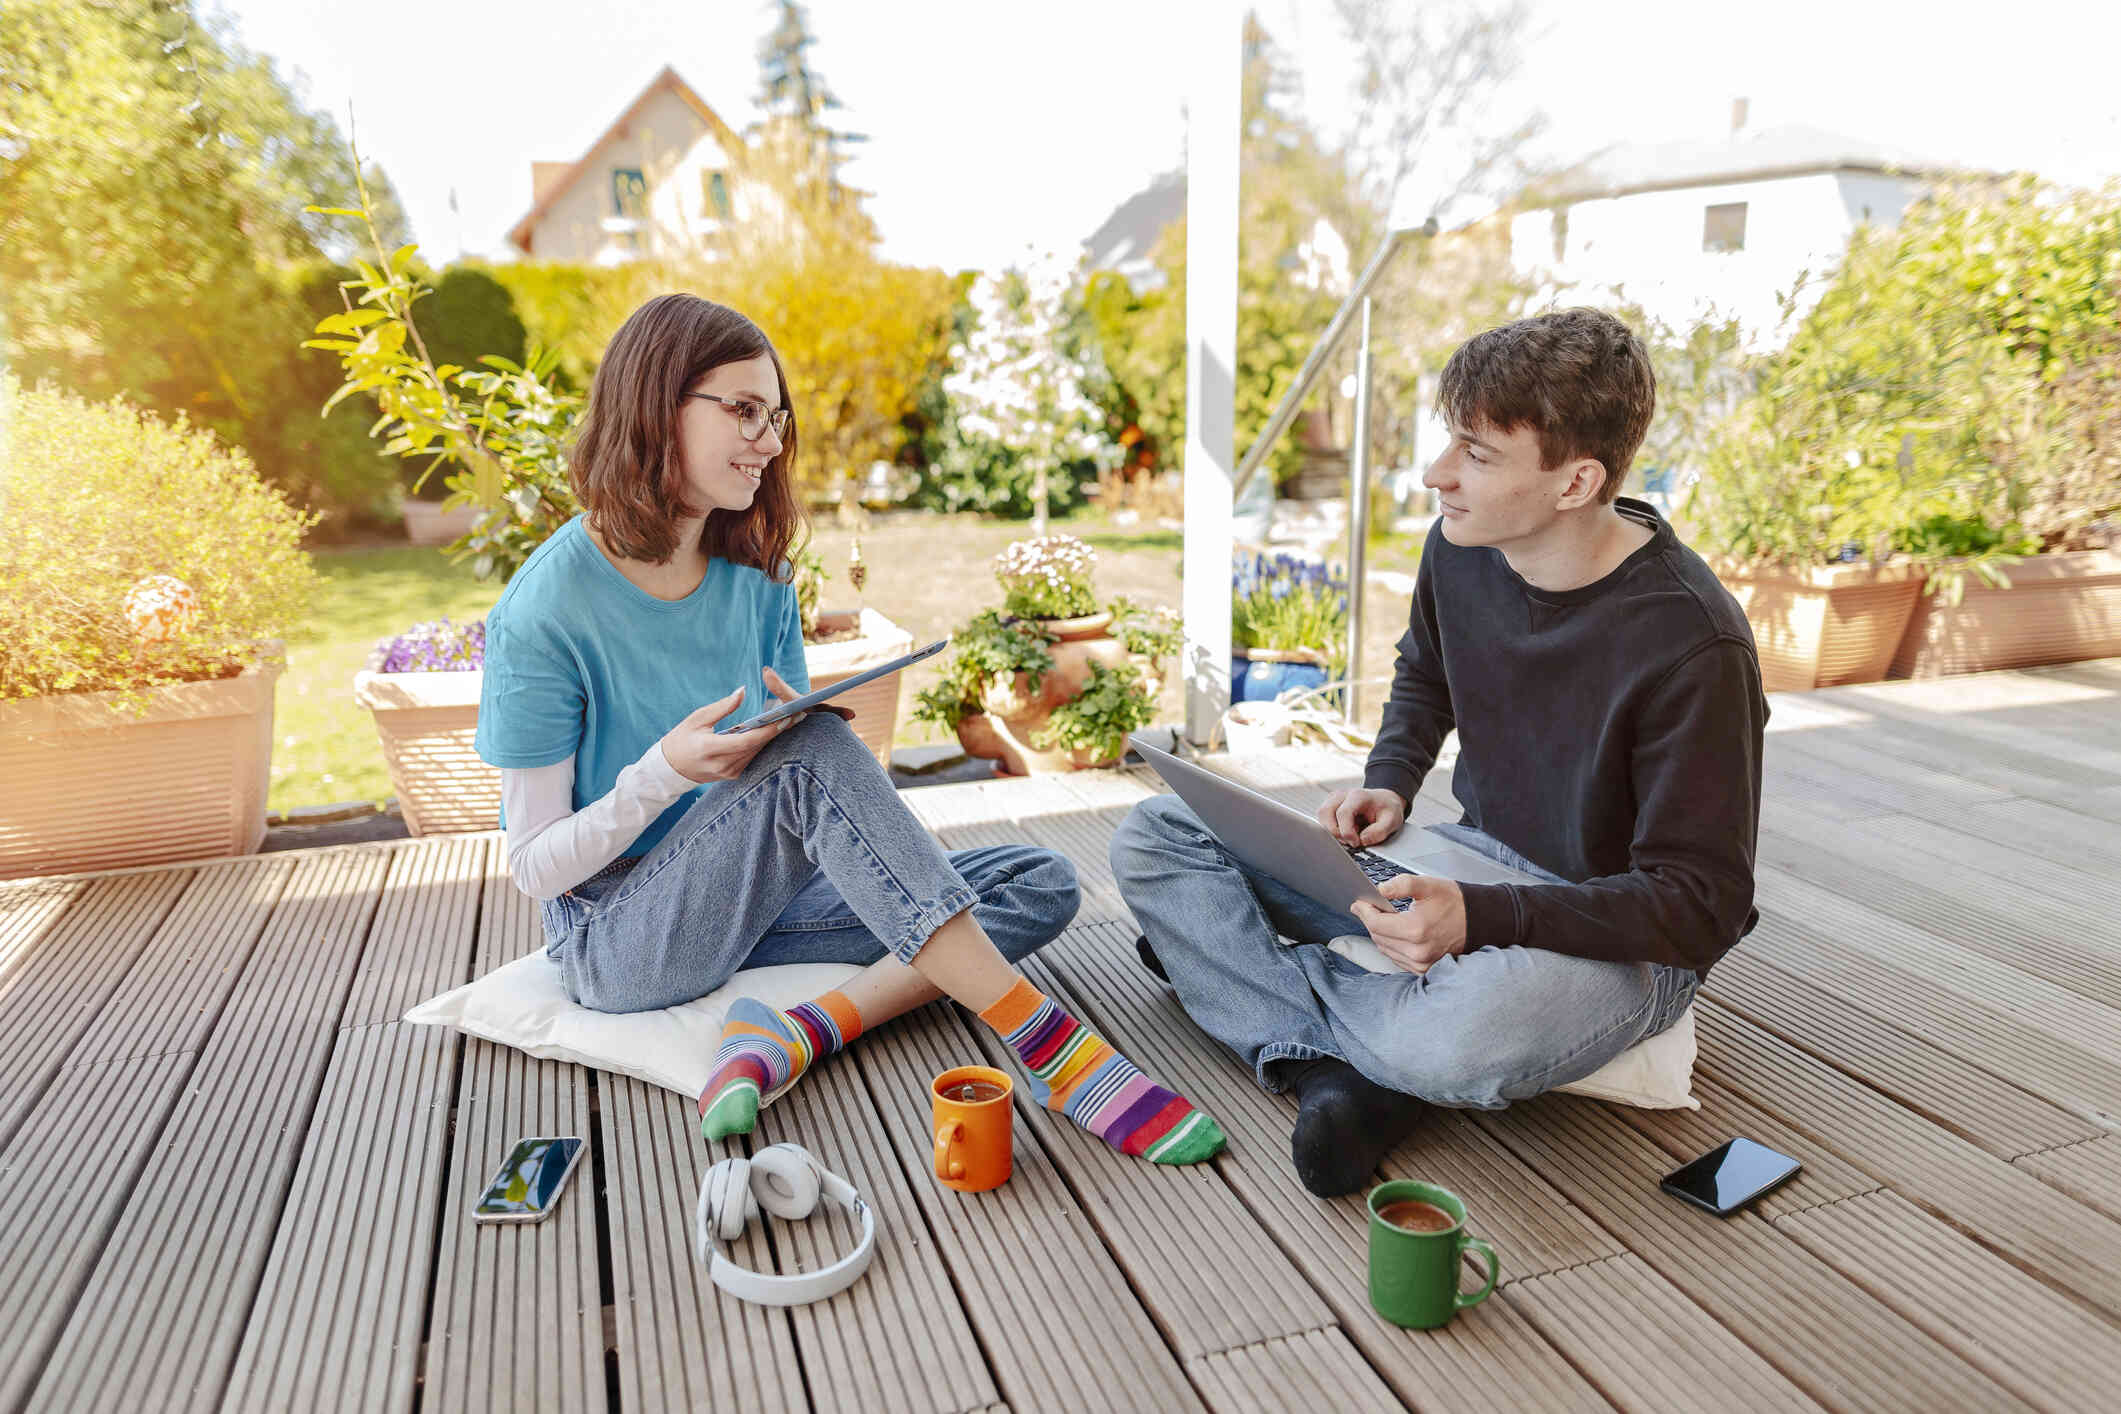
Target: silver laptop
(1293, 848)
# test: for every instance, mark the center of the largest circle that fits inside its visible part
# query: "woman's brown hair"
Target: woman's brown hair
(628, 468)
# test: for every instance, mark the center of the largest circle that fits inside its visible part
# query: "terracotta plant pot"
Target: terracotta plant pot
(92, 786)
(427, 523)
(2058, 609)
(1824, 626)
(1016, 713)
(426, 722)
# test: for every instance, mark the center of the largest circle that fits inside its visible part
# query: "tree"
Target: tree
(1429, 77)
(152, 175)
(790, 90)
(1016, 399)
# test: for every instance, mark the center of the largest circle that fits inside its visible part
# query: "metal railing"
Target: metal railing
(1354, 310)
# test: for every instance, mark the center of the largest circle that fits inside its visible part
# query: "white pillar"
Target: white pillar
(1211, 355)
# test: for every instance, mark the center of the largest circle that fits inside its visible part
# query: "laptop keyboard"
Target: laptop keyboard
(1378, 869)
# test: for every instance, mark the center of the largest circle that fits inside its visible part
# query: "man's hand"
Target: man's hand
(1363, 817)
(700, 753)
(1432, 928)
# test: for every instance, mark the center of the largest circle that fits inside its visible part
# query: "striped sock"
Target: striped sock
(764, 1051)
(1075, 1071)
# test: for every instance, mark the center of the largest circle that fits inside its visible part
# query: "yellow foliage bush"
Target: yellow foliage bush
(94, 498)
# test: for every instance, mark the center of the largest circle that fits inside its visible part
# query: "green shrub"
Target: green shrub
(94, 498)
(469, 314)
(1948, 399)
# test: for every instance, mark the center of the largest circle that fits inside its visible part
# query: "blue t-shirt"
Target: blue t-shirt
(582, 662)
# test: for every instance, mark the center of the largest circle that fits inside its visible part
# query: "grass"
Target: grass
(324, 747)
(927, 572)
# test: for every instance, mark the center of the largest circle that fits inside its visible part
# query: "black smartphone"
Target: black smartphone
(529, 1181)
(1729, 1176)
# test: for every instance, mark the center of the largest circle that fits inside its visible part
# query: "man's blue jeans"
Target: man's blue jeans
(1476, 1031)
(808, 856)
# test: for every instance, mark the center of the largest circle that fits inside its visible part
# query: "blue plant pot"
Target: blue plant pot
(1259, 681)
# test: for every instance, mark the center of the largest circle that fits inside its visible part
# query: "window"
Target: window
(629, 192)
(718, 195)
(1723, 227)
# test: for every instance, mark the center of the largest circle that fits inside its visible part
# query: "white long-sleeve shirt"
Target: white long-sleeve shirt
(552, 846)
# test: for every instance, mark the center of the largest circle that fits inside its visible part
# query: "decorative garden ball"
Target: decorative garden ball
(160, 607)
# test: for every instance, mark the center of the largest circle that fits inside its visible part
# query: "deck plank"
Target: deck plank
(2031, 1338)
(516, 1320)
(104, 1120)
(1645, 1345)
(901, 1339)
(1491, 1358)
(1315, 1370)
(2006, 1207)
(2089, 1172)
(1037, 1283)
(340, 1310)
(1818, 1329)
(681, 1344)
(28, 910)
(61, 980)
(2000, 1117)
(159, 1318)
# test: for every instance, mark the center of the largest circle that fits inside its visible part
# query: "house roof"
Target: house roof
(1131, 231)
(1750, 155)
(549, 186)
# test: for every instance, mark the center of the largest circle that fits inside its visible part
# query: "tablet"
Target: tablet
(811, 699)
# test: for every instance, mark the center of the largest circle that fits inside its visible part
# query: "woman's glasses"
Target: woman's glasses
(752, 418)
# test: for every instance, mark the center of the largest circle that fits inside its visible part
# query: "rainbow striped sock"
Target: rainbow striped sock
(764, 1051)
(1075, 1071)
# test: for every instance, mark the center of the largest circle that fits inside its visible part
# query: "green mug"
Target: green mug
(1414, 1275)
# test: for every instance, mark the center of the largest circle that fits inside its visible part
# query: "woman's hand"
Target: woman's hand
(700, 753)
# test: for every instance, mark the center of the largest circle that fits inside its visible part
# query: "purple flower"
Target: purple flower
(435, 647)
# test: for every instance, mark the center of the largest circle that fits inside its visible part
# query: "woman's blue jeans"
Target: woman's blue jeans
(1475, 1031)
(808, 856)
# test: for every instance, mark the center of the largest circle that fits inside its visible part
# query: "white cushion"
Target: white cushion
(1656, 1074)
(522, 1004)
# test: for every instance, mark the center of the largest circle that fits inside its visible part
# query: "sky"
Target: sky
(997, 124)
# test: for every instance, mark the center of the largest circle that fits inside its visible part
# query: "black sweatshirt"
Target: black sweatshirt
(1611, 734)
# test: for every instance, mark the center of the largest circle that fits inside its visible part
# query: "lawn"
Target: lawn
(927, 572)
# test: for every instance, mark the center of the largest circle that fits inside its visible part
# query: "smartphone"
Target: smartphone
(1729, 1176)
(529, 1181)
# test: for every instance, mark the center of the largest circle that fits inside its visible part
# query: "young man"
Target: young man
(1607, 699)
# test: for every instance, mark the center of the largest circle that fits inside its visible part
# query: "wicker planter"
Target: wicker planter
(2059, 609)
(875, 704)
(91, 786)
(427, 523)
(1821, 627)
(427, 722)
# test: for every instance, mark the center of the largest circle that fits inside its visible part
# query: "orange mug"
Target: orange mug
(971, 1128)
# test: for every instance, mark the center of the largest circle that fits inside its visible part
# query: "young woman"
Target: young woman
(668, 856)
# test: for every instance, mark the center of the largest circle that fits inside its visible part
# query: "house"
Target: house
(1730, 224)
(657, 180)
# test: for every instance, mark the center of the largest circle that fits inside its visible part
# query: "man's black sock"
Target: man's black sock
(1345, 1125)
(1149, 958)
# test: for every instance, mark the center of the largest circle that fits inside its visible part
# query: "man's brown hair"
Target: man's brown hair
(1579, 378)
(628, 467)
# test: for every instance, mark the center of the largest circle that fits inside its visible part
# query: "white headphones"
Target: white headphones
(787, 1182)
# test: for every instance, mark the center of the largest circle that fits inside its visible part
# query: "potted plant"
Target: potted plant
(1050, 682)
(838, 643)
(146, 579)
(422, 687)
(1288, 626)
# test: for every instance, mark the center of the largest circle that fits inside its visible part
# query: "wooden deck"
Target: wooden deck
(231, 1177)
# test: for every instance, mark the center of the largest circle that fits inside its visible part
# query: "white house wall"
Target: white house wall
(673, 149)
(1648, 245)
